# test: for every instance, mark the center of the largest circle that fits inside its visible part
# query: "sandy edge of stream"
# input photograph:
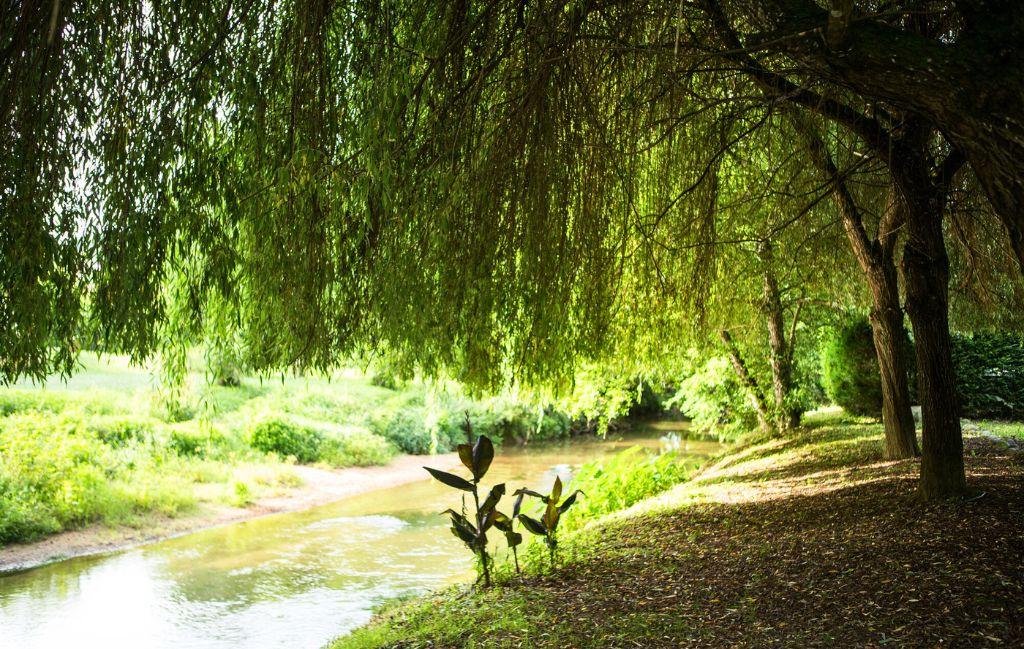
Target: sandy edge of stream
(319, 487)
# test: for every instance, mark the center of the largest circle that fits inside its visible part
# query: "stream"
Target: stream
(293, 580)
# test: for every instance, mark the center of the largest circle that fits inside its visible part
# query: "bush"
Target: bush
(407, 429)
(355, 447)
(287, 439)
(554, 424)
(601, 396)
(990, 375)
(190, 441)
(56, 474)
(385, 380)
(119, 432)
(849, 369)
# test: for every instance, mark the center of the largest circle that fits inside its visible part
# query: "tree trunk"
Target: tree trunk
(926, 275)
(749, 383)
(876, 259)
(891, 341)
(889, 335)
(787, 416)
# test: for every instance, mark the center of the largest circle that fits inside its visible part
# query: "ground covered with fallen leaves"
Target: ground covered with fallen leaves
(811, 541)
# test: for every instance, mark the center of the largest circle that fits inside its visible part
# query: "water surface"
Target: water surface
(292, 580)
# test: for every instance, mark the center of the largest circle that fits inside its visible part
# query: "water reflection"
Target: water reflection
(292, 580)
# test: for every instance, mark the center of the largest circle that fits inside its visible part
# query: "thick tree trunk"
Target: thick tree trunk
(889, 335)
(749, 383)
(926, 275)
(891, 341)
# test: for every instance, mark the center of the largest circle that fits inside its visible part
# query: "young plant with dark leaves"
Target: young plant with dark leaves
(547, 525)
(477, 458)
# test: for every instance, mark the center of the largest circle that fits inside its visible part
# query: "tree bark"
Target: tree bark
(926, 275)
(749, 383)
(890, 338)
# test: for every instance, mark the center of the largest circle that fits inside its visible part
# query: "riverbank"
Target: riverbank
(315, 486)
(107, 449)
(812, 540)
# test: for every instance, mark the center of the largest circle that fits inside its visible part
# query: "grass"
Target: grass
(808, 541)
(1011, 429)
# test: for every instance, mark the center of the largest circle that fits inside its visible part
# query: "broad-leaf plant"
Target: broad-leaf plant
(547, 525)
(477, 458)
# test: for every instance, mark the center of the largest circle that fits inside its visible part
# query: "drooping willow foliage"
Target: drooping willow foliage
(492, 188)
(456, 184)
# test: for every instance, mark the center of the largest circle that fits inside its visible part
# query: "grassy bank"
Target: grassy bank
(104, 447)
(811, 540)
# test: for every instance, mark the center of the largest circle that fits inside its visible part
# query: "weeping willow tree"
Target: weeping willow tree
(455, 184)
(473, 188)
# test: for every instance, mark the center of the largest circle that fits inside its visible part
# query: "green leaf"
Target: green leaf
(551, 516)
(450, 479)
(466, 455)
(501, 521)
(488, 520)
(569, 501)
(533, 525)
(513, 539)
(462, 528)
(497, 491)
(556, 490)
(518, 504)
(531, 492)
(483, 453)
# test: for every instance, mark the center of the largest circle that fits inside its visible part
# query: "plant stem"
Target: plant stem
(480, 532)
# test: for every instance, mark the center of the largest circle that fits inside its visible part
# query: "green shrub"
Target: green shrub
(286, 438)
(22, 516)
(623, 480)
(121, 431)
(649, 400)
(191, 441)
(554, 424)
(601, 396)
(990, 375)
(408, 430)
(849, 369)
(242, 496)
(355, 447)
(385, 380)
(18, 401)
(502, 420)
